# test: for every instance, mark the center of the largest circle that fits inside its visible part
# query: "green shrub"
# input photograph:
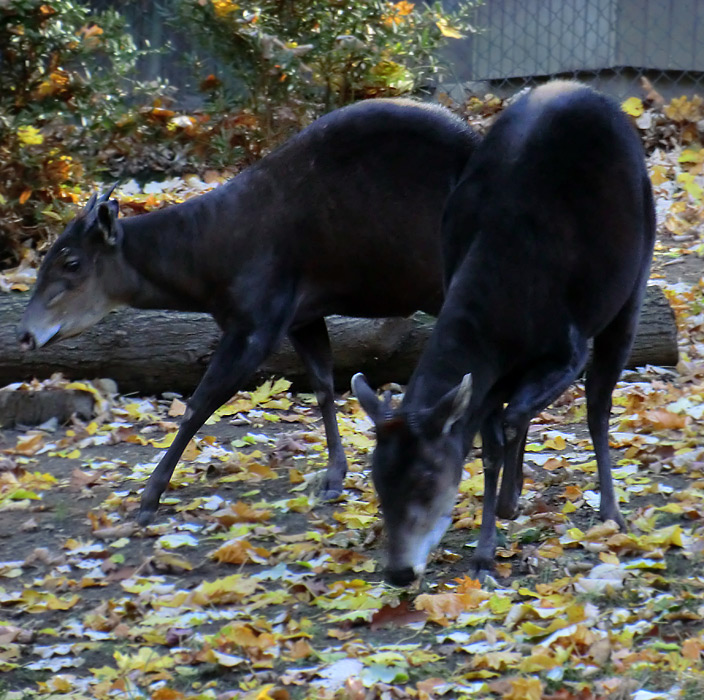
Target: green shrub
(64, 90)
(287, 62)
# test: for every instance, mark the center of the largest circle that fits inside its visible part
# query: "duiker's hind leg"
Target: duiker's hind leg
(611, 348)
(313, 345)
(538, 388)
(512, 479)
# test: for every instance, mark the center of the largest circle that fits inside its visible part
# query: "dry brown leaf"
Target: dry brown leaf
(177, 408)
(80, 479)
(396, 616)
(240, 552)
(241, 512)
(300, 649)
(115, 531)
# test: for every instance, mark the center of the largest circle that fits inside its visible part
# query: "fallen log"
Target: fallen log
(149, 352)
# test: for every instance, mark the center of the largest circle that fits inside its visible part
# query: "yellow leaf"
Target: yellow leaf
(658, 175)
(530, 629)
(551, 549)
(356, 521)
(145, 660)
(268, 389)
(556, 443)
(29, 136)
(221, 591)
(524, 689)
(447, 30)
(496, 660)
(539, 660)
(633, 106)
(191, 452)
(164, 442)
(100, 402)
(172, 563)
(683, 110)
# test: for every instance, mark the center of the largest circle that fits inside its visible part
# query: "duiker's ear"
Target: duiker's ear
(367, 398)
(107, 221)
(450, 408)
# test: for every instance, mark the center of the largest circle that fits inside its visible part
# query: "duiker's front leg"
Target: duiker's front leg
(236, 358)
(313, 345)
(492, 461)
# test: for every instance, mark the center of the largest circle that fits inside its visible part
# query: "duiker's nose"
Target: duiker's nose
(401, 577)
(26, 340)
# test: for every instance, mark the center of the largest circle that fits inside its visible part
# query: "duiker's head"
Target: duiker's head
(70, 294)
(416, 469)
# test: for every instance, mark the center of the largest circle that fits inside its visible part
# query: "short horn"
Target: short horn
(106, 196)
(91, 202)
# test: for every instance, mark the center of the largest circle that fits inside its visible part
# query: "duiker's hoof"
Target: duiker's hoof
(480, 567)
(507, 512)
(330, 494)
(145, 516)
(401, 577)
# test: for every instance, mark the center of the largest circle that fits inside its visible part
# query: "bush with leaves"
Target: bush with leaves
(70, 110)
(287, 62)
(65, 89)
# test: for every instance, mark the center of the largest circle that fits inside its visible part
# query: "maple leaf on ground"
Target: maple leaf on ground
(523, 689)
(442, 608)
(396, 616)
(241, 512)
(240, 551)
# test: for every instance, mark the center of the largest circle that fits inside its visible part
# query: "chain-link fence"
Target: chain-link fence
(611, 44)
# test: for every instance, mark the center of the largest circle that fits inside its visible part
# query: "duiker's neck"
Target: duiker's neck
(168, 255)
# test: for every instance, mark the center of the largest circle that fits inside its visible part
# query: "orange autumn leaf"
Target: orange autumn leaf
(692, 648)
(241, 512)
(167, 694)
(466, 584)
(444, 607)
(662, 419)
(246, 637)
(240, 552)
(300, 650)
(29, 444)
(573, 493)
(25, 196)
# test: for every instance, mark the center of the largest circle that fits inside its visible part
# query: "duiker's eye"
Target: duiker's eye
(72, 265)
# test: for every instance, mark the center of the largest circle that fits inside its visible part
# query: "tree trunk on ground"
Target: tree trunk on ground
(153, 351)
